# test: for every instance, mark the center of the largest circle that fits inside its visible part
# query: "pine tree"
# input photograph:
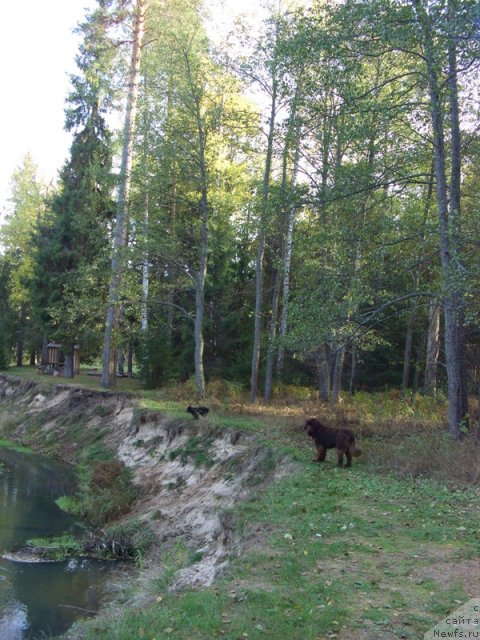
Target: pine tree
(73, 236)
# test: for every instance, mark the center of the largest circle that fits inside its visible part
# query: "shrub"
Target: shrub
(131, 540)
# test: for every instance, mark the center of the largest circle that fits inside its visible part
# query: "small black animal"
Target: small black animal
(197, 411)
(343, 440)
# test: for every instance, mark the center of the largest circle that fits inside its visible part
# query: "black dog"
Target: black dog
(343, 440)
(198, 411)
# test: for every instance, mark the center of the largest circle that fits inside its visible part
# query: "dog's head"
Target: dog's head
(311, 426)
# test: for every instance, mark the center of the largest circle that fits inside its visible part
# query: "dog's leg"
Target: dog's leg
(349, 458)
(321, 453)
(340, 453)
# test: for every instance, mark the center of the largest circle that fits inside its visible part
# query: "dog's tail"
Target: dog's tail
(355, 451)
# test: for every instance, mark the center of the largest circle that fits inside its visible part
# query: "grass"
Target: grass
(383, 550)
(336, 554)
(82, 380)
(8, 444)
(56, 548)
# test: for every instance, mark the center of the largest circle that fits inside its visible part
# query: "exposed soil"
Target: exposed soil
(189, 475)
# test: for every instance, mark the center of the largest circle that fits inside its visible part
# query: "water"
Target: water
(39, 600)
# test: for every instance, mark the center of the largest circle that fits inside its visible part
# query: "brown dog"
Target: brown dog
(343, 440)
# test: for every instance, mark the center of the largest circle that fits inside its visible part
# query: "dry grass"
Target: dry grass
(432, 455)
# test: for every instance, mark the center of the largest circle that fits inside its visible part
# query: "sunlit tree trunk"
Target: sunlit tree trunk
(195, 95)
(145, 250)
(120, 234)
(201, 277)
(282, 332)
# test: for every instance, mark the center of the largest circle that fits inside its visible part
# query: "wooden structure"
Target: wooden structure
(54, 360)
(54, 355)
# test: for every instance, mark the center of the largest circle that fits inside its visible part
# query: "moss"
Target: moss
(196, 450)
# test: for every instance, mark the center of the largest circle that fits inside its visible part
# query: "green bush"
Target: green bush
(131, 540)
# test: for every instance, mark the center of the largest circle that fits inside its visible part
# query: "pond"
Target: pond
(39, 600)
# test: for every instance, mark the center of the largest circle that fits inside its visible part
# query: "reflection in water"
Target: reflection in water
(38, 599)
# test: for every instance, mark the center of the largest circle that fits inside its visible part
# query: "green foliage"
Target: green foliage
(157, 366)
(68, 285)
(68, 504)
(17, 264)
(348, 167)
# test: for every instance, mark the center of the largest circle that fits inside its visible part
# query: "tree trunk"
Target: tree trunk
(433, 350)
(68, 364)
(257, 330)
(199, 293)
(145, 272)
(120, 235)
(407, 354)
(453, 303)
(172, 209)
(287, 258)
(282, 332)
(323, 373)
(416, 370)
(352, 369)
(413, 306)
(145, 223)
(44, 355)
(271, 339)
(121, 362)
(21, 336)
(203, 258)
(288, 210)
(170, 276)
(337, 375)
(130, 359)
(460, 414)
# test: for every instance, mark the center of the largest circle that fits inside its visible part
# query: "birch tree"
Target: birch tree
(448, 206)
(120, 234)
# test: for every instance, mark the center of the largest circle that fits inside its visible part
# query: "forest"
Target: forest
(292, 204)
